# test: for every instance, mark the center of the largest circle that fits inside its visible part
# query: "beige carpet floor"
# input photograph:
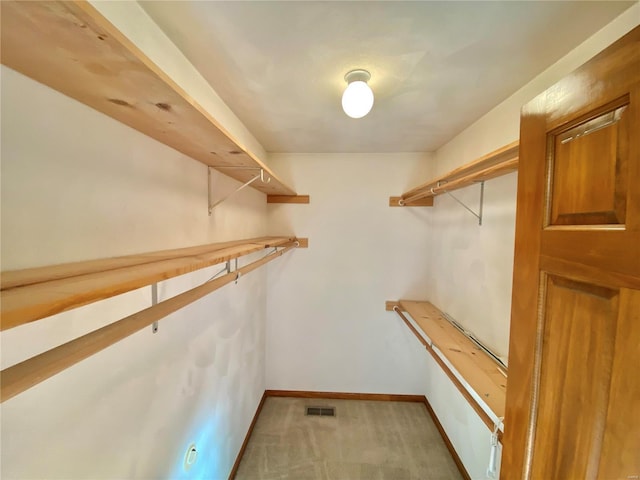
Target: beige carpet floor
(366, 440)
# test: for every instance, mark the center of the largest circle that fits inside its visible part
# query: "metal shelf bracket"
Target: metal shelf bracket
(477, 215)
(264, 178)
(154, 302)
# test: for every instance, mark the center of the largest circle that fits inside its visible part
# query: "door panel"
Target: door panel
(596, 150)
(579, 343)
(573, 402)
(620, 447)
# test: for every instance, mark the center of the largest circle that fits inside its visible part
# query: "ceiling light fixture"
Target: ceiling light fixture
(357, 98)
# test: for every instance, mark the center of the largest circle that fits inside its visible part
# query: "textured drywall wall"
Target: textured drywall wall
(327, 326)
(78, 185)
(472, 265)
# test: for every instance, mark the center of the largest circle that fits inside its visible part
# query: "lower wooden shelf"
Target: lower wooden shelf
(477, 376)
(62, 287)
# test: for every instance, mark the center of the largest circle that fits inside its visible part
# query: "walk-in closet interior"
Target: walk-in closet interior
(324, 240)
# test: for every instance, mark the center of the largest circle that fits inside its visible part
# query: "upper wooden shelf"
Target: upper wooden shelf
(497, 163)
(483, 375)
(35, 293)
(72, 48)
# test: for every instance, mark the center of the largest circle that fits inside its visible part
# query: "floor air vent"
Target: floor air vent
(321, 411)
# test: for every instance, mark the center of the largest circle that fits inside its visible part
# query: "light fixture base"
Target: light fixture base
(357, 75)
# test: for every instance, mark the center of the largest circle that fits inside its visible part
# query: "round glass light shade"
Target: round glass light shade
(357, 99)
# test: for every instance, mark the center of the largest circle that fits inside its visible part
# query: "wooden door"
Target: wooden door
(573, 401)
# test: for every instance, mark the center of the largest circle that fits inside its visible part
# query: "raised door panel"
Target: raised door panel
(579, 336)
(620, 456)
(588, 171)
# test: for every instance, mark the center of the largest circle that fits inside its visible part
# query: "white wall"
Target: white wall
(327, 327)
(78, 185)
(472, 265)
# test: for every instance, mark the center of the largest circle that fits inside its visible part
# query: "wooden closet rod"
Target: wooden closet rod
(499, 162)
(479, 176)
(486, 419)
(45, 291)
(22, 376)
(30, 276)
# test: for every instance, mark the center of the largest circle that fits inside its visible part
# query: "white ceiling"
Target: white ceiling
(435, 66)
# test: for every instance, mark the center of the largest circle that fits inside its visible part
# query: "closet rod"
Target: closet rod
(479, 176)
(22, 376)
(30, 276)
(494, 164)
(109, 277)
(486, 419)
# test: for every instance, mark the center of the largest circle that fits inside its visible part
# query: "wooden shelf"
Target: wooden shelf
(497, 163)
(72, 48)
(32, 294)
(28, 373)
(479, 371)
(302, 199)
